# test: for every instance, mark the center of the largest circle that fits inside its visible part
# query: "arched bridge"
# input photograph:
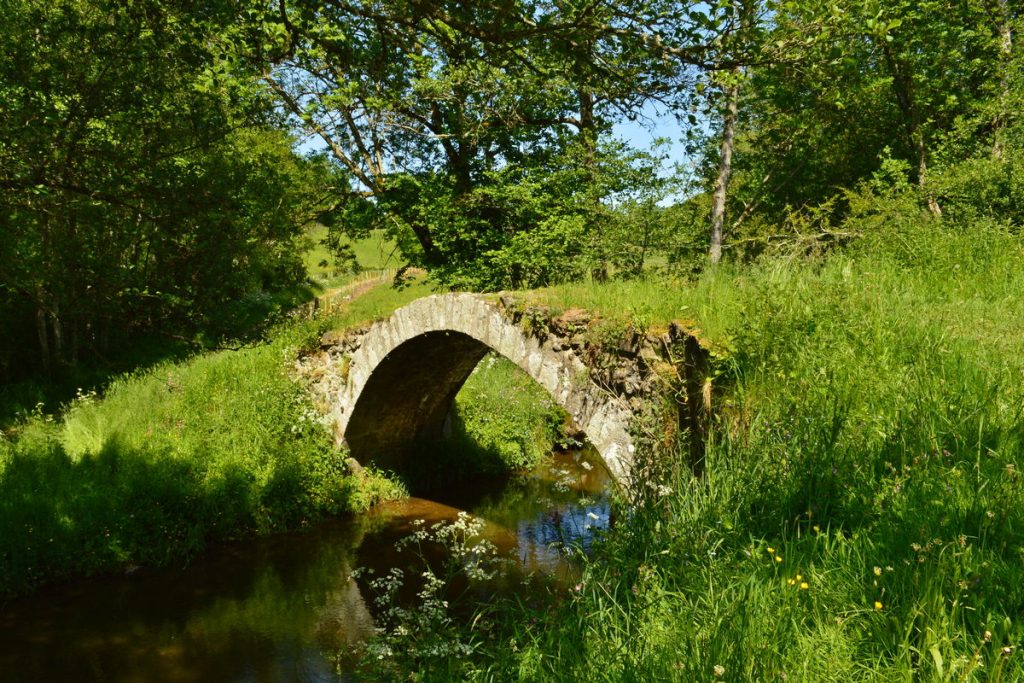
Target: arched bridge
(390, 386)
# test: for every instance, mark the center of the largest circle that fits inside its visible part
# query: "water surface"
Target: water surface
(282, 607)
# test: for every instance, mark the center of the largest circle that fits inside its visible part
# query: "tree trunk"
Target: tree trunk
(732, 99)
(426, 240)
(43, 332)
(922, 173)
(73, 335)
(58, 336)
(643, 248)
(1005, 55)
(903, 87)
(588, 140)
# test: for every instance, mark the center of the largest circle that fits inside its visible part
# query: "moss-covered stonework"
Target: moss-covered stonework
(389, 386)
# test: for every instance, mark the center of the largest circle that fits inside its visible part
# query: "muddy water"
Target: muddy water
(278, 609)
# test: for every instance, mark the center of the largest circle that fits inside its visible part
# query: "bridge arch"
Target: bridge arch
(403, 373)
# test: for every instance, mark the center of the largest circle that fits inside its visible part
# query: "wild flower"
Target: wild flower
(426, 629)
(877, 571)
(804, 585)
(878, 605)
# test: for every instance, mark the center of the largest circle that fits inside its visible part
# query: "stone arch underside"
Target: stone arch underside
(404, 372)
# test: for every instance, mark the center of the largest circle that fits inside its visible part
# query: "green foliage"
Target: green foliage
(171, 458)
(425, 635)
(478, 134)
(504, 420)
(841, 89)
(549, 218)
(860, 516)
(142, 191)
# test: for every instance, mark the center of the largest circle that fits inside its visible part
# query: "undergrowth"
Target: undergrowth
(503, 420)
(861, 514)
(170, 458)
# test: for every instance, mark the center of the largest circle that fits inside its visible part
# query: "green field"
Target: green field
(373, 255)
(861, 515)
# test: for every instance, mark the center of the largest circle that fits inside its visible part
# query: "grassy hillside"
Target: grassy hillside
(216, 446)
(861, 516)
(374, 254)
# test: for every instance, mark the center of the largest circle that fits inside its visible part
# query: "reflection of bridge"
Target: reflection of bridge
(395, 381)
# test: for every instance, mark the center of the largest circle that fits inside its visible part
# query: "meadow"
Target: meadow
(860, 515)
(861, 511)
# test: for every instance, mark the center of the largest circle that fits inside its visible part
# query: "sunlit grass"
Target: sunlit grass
(217, 446)
(373, 254)
(861, 516)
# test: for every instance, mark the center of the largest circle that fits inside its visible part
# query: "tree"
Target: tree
(428, 105)
(836, 88)
(132, 194)
(739, 44)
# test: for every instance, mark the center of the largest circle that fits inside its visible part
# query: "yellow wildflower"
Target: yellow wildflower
(778, 558)
(878, 605)
(878, 571)
(771, 550)
(804, 586)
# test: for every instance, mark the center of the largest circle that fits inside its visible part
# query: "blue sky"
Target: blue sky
(656, 122)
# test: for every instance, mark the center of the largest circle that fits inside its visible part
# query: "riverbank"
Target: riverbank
(861, 512)
(860, 515)
(218, 446)
(267, 608)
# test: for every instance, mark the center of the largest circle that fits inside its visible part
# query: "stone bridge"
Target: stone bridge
(390, 386)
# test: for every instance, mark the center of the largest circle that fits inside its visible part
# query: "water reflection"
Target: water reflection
(279, 608)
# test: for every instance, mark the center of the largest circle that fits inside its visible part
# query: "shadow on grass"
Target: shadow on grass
(237, 323)
(120, 508)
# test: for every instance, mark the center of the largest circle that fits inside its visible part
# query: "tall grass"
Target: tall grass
(861, 516)
(217, 446)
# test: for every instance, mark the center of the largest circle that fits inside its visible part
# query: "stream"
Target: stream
(282, 607)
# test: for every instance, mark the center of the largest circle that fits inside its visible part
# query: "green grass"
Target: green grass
(869, 445)
(374, 254)
(221, 445)
(504, 421)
